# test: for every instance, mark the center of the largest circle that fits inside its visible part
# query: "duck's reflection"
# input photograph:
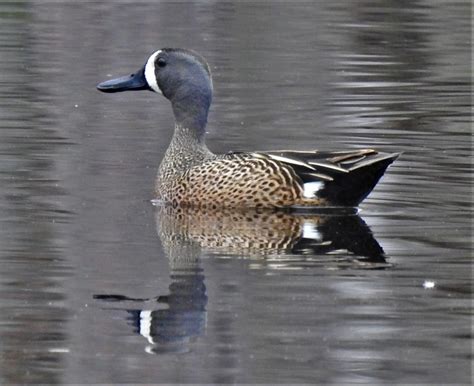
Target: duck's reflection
(170, 329)
(179, 317)
(263, 233)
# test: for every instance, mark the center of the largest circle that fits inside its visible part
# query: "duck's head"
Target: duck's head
(182, 76)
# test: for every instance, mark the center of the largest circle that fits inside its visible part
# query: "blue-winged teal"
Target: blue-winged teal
(191, 175)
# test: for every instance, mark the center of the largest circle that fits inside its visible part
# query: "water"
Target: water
(99, 286)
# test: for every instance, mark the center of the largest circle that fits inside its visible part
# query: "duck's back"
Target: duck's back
(274, 179)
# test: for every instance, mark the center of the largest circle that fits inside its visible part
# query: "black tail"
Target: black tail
(349, 189)
(346, 177)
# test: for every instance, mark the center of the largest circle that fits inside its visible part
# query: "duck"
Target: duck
(191, 175)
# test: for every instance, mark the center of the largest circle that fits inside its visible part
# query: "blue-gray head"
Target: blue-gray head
(182, 76)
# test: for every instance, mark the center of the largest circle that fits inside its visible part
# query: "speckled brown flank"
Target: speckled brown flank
(190, 175)
(231, 180)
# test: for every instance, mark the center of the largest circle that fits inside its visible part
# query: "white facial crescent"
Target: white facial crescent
(150, 72)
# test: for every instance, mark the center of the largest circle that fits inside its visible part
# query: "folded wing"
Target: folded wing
(343, 178)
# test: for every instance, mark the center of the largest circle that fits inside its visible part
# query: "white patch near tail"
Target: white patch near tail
(150, 75)
(310, 231)
(145, 325)
(311, 188)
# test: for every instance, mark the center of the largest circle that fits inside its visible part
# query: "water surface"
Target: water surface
(99, 286)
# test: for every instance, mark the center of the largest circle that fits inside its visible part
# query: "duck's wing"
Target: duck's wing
(343, 178)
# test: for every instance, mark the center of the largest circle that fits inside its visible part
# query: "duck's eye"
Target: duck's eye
(161, 62)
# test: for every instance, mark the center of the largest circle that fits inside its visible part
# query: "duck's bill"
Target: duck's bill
(133, 82)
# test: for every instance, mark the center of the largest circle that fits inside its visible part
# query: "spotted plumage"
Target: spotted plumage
(236, 181)
(191, 175)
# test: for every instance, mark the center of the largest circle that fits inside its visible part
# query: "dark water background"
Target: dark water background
(99, 286)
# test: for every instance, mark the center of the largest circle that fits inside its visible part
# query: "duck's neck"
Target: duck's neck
(190, 114)
(191, 111)
(187, 149)
(187, 141)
